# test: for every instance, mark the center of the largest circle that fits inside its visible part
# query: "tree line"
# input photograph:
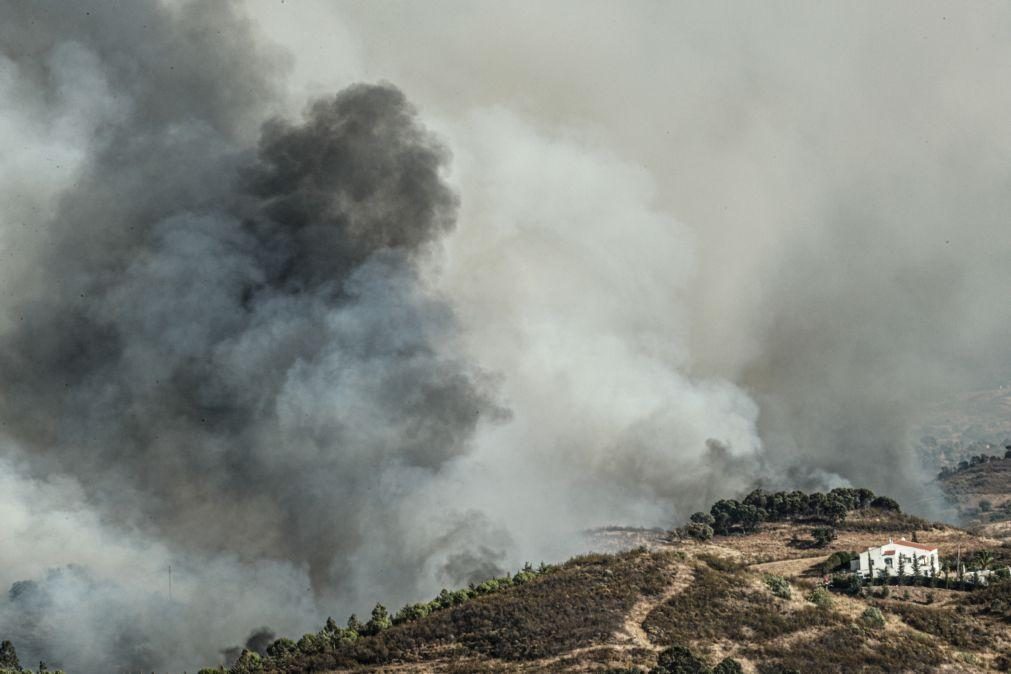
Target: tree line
(730, 516)
(974, 460)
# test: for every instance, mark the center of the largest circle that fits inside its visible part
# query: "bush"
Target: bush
(702, 518)
(885, 503)
(872, 617)
(850, 583)
(837, 561)
(728, 666)
(779, 586)
(823, 536)
(678, 660)
(697, 531)
(820, 597)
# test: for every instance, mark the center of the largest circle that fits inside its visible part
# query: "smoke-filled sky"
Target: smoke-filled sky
(328, 303)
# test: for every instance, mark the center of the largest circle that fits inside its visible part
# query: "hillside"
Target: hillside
(747, 600)
(981, 494)
(954, 427)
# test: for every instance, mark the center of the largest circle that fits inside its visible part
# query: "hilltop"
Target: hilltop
(750, 598)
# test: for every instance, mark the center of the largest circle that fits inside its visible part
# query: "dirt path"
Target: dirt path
(790, 568)
(632, 634)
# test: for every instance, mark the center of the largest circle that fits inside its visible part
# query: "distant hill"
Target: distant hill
(747, 602)
(982, 495)
(971, 423)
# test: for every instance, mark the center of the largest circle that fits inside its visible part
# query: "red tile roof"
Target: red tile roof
(918, 546)
(888, 552)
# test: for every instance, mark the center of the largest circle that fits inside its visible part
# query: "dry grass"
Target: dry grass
(614, 612)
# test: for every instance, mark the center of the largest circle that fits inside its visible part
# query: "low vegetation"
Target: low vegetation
(945, 624)
(534, 614)
(852, 647)
(567, 617)
(724, 605)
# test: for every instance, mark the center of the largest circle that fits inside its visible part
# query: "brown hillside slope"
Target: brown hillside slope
(982, 496)
(616, 613)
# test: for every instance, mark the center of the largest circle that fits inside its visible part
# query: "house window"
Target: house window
(888, 561)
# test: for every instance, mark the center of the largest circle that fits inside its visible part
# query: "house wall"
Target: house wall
(925, 560)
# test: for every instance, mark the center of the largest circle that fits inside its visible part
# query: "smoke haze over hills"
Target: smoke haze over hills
(316, 340)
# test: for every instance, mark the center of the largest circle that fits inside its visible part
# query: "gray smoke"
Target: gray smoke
(840, 179)
(229, 346)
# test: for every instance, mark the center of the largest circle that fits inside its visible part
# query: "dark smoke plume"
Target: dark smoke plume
(230, 347)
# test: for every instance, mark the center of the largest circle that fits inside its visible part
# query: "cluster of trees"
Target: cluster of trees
(729, 516)
(973, 461)
(9, 663)
(333, 637)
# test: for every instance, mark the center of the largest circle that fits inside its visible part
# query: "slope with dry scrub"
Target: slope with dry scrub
(750, 602)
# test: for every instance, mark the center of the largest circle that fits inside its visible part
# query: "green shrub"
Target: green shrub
(871, 617)
(821, 598)
(679, 660)
(885, 503)
(697, 531)
(837, 561)
(822, 536)
(728, 666)
(850, 583)
(779, 586)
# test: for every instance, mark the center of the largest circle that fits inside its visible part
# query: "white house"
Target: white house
(907, 555)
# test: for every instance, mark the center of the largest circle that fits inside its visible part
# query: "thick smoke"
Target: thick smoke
(230, 348)
(840, 177)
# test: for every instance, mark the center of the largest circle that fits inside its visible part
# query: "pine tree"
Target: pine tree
(9, 657)
(355, 625)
